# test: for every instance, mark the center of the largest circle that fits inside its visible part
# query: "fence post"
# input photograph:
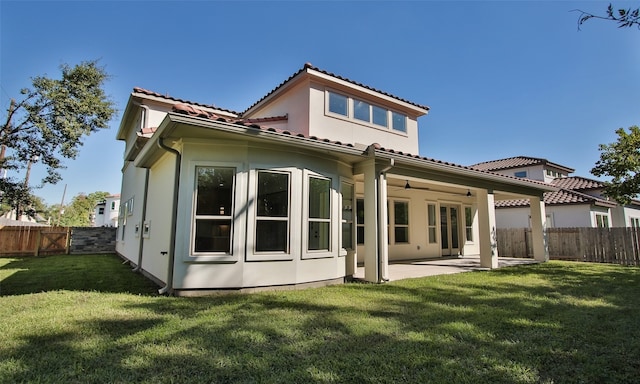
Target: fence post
(38, 240)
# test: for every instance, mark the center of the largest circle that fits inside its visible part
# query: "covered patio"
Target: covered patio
(441, 266)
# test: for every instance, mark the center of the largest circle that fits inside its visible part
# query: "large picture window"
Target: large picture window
(213, 209)
(272, 212)
(319, 215)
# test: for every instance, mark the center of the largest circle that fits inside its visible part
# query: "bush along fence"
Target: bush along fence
(40, 241)
(600, 245)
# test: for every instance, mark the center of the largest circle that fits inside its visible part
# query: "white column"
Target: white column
(370, 222)
(487, 229)
(538, 224)
(383, 229)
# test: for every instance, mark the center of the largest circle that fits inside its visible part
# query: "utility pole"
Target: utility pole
(61, 205)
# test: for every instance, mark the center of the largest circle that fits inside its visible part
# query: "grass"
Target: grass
(88, 319)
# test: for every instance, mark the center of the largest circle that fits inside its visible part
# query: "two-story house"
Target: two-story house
(578, 202)
(106, 212)
(318, 176)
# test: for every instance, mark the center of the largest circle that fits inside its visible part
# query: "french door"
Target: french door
(449, 229)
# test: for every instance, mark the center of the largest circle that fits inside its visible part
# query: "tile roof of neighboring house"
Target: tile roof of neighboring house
(577, 183)
(517, 162)
(310, 66)
(561, 197)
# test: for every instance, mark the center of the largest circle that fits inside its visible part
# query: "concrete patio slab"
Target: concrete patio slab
(443, 266)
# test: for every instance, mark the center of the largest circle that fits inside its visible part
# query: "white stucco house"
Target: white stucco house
(578, 202)
(106, 212)
(319, 175)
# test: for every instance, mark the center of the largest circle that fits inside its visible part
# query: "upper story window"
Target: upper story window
(520, 174)
(338, 104)
(363, 111)
(399, 122)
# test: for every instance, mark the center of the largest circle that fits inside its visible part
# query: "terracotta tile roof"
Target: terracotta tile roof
(155, 94)
(577, 183)
(310, 66)
(251, 124)
(561, 197)
(517, 162)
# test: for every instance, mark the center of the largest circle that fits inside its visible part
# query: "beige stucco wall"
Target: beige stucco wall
(244, 268)
(294, 104)
(127, 243)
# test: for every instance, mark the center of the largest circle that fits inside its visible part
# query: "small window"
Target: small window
(361, 110)
(272, 216)
(401, 221)
(101, 211)
(468, 221)
(319, 215)
(635, 222)
(520, 174)
(399, 122)
(347, 215)
(360, 221)
(602, 221)
(379, 116)
(338, 103)
(431, 223)
(113, 205)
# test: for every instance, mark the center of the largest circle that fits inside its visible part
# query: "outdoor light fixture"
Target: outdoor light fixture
(407, 186)
(468, 193)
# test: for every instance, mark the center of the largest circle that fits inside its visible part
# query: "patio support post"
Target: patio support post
(538, 224)
(376, 255)
(487, 229)
(370, 222)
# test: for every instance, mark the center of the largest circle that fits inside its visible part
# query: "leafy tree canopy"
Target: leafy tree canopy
(49, 124)
(621, 162)
(625, 17)
(78, 212)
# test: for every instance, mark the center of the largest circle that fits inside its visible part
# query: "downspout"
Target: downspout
(145, 122)
(382, 200)
(143, 220)
(168, 288)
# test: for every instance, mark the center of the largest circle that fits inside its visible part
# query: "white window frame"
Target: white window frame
(238, 203)
(333, 220)
(469, 228)
(394, 225)
(352, 208)
(350, 116)
(435, 225)
(251, 254)
(601, 218)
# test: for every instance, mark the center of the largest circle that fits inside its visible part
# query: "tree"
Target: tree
(49, 124)
(78, 212)
(624, 17)
(621, 162)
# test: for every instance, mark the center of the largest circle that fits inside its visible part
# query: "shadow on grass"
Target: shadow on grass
(100, 273)
(518, 325)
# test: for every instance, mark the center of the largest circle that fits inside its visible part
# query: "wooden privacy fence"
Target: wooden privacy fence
(31, 240)
(602, 245)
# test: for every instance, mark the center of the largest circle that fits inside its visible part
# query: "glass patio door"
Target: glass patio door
(449, 230)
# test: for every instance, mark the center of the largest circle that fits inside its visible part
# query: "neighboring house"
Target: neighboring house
(578, 202)
(318, 176)
(9, 219)
(106, 212)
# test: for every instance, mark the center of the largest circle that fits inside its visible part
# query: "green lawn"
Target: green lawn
(89, 319)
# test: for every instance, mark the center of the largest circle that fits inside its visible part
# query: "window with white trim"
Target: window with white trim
(272, 212)
(346, 190)
(401, 221)
(213, 218)
(431, 223)
(360, 221)
(635, 222)
(366, 112)
(468, 223)
(602, 220)
(319, 214)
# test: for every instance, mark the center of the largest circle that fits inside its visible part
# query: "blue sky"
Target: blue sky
(502, 78)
